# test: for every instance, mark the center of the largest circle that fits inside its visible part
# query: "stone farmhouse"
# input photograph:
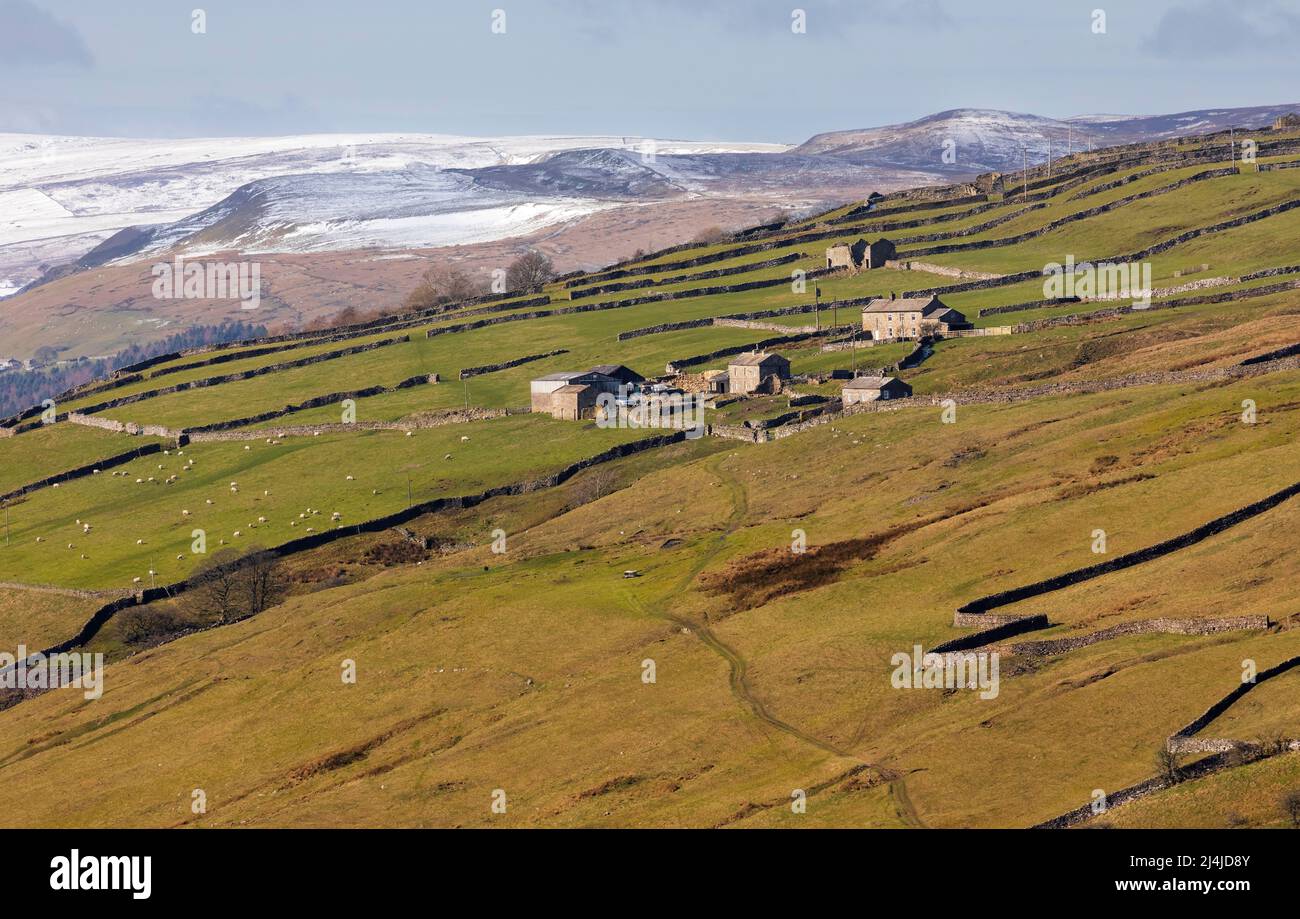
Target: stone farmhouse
(571, 395)
(1287, 121)
(910, 318)
(757, 372)
(872, 389)
(860, 254)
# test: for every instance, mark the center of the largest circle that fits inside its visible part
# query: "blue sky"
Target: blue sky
(703, 69)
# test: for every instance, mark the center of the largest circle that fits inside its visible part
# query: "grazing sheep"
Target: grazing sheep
(40, 539)
(464, 438)
(139, 542)
(261, 520)
(448, 456)
(236, 534)
(185, 513)
(410, 433)
(71, 546)
(349, 478)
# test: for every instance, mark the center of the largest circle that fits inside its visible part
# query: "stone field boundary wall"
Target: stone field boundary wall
(469, 372)
(699, 276)
(457, 416)
(108, 462)
(1130, 559)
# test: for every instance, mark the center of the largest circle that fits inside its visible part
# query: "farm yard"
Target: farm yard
(520, 666)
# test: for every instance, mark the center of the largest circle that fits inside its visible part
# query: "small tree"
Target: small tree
(530, 270)
(229, 586)
(710, 235)
(1290, 805)
(440, 285)
(262, 583)
(214, 586)
(1169, 766)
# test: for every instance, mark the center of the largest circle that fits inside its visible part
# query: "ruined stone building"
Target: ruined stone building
(860, 254)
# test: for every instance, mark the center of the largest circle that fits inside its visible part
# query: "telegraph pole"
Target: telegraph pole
(1024, 173)
(817, 308)
(1232, 147)
(1049, 156)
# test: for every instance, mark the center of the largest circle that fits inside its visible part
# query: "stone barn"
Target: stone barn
(757, 372)
(910, 318)
(574, 402)
(543, 388)
(1286, 122)
(624, 375)
(872, 389)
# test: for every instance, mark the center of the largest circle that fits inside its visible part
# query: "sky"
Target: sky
(735, 70)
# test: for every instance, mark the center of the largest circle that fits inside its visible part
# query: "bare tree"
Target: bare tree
(229, 586)
(1291, 806)
(262, 581)
(710, 235)
(442, 284)
(530, 270)
(1169, 766)
(214, 586)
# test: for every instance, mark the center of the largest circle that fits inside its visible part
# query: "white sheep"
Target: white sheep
(139, 542)
(237, 534)
(185, 513)
(464, 438)
(349, 478)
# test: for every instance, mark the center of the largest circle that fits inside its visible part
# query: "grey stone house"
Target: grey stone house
(757, 372)
(910, 318)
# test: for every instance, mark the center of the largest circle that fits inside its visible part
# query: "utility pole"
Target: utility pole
(855, 352)
(1024, 174)
(1232, 147)
(1069, 134)
(1049, 156)
(817, 308)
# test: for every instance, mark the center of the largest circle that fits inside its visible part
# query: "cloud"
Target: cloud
(31, 37)
(827, 18)
(1221, 28)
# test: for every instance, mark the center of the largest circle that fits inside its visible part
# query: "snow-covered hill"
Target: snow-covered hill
(988, 140)
(59, 196)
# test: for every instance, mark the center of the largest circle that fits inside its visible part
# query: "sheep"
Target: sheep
(135, 580)
(410, 433)
(180, 558)
(261, 520)
(139, 542)
(448, 456)
(71, 546)
(208, 500)
(236, 534)
(40, 539)
(185, 513)
(350, 478)
(464, 438)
